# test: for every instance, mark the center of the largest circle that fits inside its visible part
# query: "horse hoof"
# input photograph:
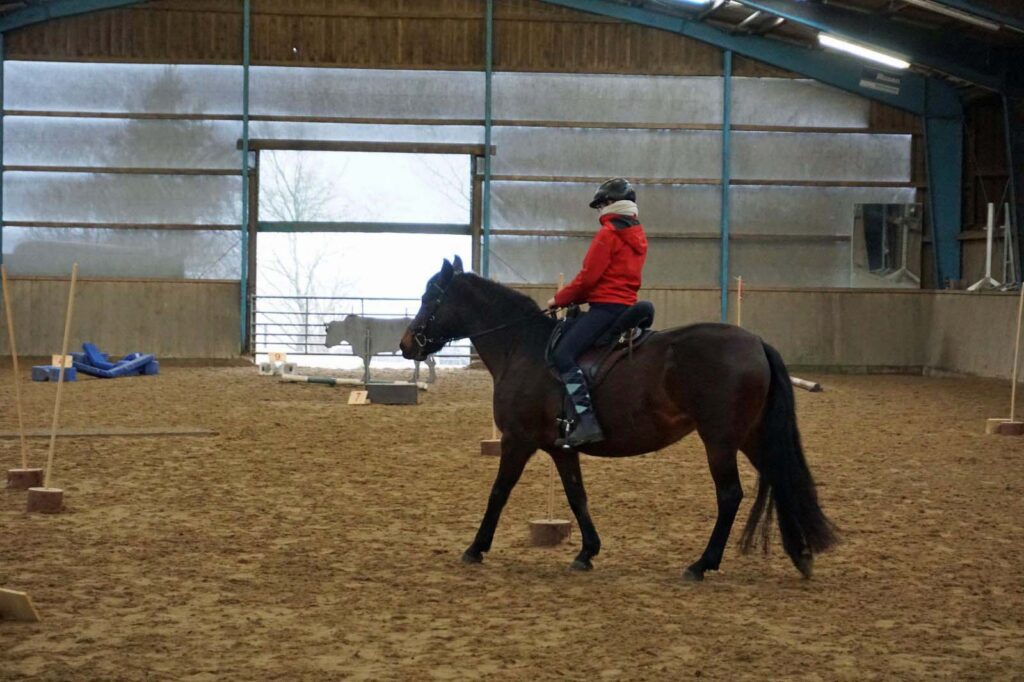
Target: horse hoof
(805, 564)
(581, 565)
(692, 576)
(470, 558)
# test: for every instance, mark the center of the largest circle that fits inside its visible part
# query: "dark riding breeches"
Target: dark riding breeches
(582, 334)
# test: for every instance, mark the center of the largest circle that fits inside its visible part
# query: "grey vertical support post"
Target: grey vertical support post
(723, 278)
(485, 251)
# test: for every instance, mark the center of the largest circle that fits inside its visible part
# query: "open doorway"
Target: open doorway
(352, 231)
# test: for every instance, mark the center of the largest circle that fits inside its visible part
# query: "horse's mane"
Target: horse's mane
(515, 300)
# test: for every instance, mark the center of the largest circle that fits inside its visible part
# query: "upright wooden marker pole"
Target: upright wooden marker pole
(1016, 357)
(60, 376)
(1011, 427)
(14, 360)
(550, 531)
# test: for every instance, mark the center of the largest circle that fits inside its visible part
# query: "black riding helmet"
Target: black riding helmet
(616, 189)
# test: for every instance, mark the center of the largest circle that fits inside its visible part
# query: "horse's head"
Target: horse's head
(436, 323)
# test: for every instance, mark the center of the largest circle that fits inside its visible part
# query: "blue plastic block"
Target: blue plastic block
(94, 357)
(151, 368)
(52, 373)
(121, 370)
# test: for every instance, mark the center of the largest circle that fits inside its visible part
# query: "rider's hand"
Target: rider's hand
(551, 304)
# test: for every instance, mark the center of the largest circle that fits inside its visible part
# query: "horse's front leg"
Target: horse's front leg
(514, 456)
(568, 465)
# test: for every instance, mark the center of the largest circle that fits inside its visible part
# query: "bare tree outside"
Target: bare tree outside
(298, 265)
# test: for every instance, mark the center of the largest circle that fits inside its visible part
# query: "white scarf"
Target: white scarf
(624, 207)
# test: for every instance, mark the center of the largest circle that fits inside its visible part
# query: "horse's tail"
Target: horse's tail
(785, 485)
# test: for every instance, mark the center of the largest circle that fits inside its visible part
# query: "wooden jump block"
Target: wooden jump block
(45, 500)
(549, 532)
(393, 393)
(17, 606)
(1004, 427)
(491, 447)
(23, 479)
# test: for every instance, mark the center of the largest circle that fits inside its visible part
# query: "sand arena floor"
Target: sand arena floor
(315, 540)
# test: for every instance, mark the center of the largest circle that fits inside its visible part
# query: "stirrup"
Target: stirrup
(565, 427)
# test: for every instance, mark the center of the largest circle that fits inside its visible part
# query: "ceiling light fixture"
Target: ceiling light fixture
(862, 51)
(954, 13)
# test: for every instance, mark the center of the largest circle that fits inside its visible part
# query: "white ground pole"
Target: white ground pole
(987, 282)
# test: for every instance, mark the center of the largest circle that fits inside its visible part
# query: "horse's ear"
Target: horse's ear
(457, 264)
(447, 271)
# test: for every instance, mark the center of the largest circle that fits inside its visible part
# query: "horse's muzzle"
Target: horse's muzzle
(410, 349)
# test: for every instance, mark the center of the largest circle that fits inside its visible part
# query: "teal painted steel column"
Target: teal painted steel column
(485, 247)
(1013, 123)
(244, 283)
(944, 142)
(723, 278)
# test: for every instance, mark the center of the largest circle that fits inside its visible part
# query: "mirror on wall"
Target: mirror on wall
(886, 246)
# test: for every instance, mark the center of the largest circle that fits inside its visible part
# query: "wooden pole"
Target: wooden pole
(1016, 357)
(60, 376)
(551, 468)
(14, 360)
(739, 301)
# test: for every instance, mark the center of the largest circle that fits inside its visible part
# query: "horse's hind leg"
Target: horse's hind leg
(729, 492)
(514, 457)
(568, 464)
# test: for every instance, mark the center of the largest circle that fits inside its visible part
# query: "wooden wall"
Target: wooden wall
(398, 34)
(171, 319)
(849, 330)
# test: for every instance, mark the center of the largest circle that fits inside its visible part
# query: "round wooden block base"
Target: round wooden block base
(45, 500)
(549, 532)
(23, 479)
(1004, 427)
(491, 448)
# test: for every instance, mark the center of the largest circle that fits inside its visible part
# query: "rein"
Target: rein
(422, 340)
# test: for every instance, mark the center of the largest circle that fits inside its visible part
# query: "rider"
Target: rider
(608, 281)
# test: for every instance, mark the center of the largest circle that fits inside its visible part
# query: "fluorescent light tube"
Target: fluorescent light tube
(954, 13)
(862, 51)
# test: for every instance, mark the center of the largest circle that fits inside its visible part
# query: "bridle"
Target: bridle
(419, 332)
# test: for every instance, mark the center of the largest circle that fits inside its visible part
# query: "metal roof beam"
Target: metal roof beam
(45, 11)
(984, 13)
(960, 57)
(914, 92)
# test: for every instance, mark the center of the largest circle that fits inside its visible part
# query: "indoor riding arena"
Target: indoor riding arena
(277, 385)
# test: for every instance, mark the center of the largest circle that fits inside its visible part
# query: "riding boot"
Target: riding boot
(586, 428)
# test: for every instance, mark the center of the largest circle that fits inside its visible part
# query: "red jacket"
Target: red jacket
(611, 269)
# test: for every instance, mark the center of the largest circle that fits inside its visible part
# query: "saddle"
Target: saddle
(629, 331)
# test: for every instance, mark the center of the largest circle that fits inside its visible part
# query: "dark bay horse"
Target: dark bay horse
(716, 379)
